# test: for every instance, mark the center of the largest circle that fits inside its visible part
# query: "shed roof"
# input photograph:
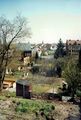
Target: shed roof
(23, 82)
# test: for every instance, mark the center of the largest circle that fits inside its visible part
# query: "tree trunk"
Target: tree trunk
(80, 100)
(2, 75)
(3, 65)
(1, 85)
(73, 94)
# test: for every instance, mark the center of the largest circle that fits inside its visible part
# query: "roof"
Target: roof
(72, 42)
(24, 46)
(23, 82)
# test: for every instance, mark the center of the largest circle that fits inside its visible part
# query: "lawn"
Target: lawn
(40, 84)
(40, 88)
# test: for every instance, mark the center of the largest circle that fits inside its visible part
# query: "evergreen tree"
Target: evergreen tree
(60, 50)
(72, 76)
(79, 59)
(36, 56)
(79, 66)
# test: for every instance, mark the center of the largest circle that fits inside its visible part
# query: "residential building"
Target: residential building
(26, 51)
(73, 47)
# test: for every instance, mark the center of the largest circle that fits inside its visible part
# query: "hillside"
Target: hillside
(13, 108)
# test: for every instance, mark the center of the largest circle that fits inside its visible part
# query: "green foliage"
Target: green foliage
(10, 94)
(36, 56)
(34, 106)
(35, 69)
(80, 56)
(2, 98)
(7, 94)
(21, 108)
(79, 60)
(72, 76)
(60, 50)
(78, 93)
(43, 53)
(61, 61)
(40, 88)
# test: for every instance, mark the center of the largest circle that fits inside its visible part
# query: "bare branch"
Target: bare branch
(9, 32)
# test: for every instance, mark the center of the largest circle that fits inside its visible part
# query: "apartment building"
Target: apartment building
(73, 46)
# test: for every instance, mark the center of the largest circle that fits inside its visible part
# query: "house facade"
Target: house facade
(26, 52)
(73, 47)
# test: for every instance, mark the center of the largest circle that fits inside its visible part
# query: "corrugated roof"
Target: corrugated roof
(24, 46)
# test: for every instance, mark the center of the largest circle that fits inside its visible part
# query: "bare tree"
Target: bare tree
(10, 31)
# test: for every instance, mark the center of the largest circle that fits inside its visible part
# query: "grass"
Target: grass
(41, 84)
(18, 108)
(17, 75)
(26, 105)
(2, 98)
(7, 94)
(29, 106)
(41, 88)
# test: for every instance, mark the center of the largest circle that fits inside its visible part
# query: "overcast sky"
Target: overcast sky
(49, 20)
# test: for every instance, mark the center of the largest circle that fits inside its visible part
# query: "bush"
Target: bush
(78, 93)
(2, 98)
(73, 77)
(35, 69)
(8, 94)
(21, 108)
(34, 106)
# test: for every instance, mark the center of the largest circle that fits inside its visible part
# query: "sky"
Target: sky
(49, 20)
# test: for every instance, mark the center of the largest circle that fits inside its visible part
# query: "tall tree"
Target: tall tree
(79, 66)
(36, 56)
(73, 77)
(60, 50)
(10, 31)
(79, 59)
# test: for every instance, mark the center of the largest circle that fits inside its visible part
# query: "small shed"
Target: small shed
(23, 89)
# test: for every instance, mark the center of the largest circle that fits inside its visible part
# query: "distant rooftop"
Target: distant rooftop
(72, 42)
(24, 46)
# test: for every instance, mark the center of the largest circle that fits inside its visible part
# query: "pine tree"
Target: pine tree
(60, 50)
(79, 59)
(36, 56)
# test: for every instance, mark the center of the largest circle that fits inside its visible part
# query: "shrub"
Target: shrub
(2, 98)
(35, 69)
(21, 108)
(78, 93)
(34, 106)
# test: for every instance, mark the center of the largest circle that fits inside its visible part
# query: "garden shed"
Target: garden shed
(23, 89)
